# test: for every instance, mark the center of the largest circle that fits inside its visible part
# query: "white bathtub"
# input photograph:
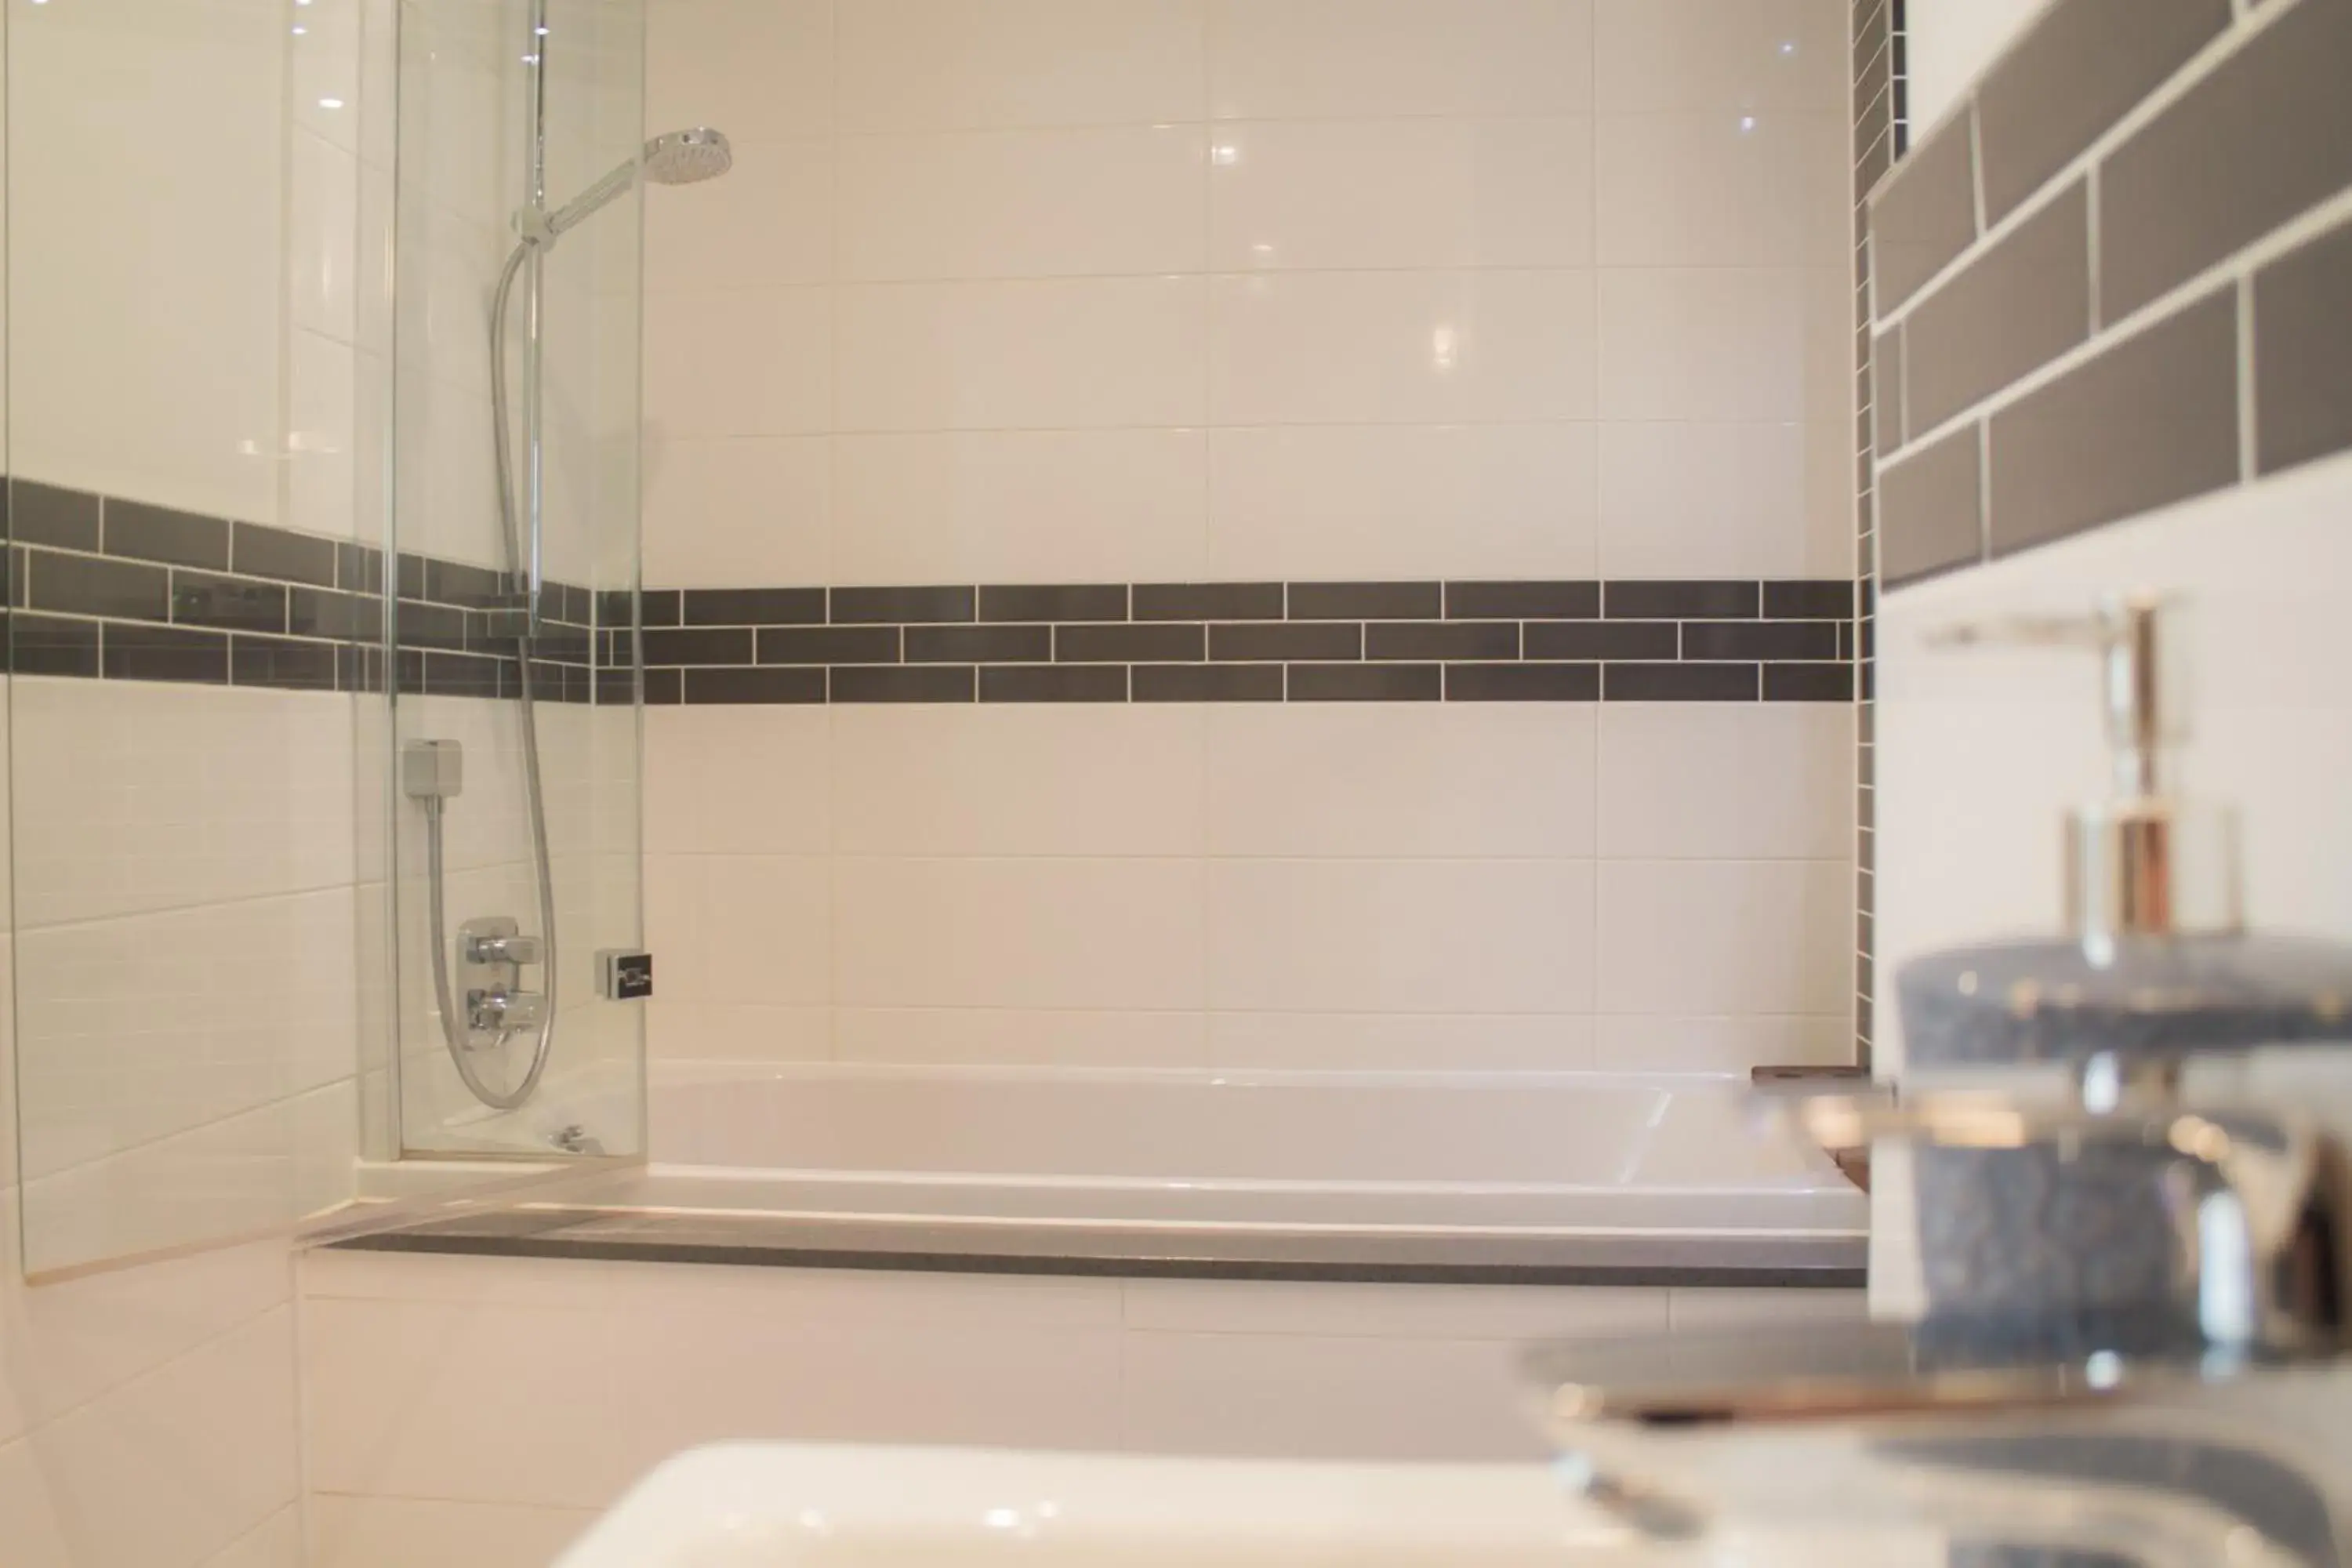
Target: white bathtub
(1571, 1153)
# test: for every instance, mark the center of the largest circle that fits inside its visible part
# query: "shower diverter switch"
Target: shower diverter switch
(625, 976)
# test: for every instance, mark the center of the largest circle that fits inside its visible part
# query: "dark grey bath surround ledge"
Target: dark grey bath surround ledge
(1109, 1251)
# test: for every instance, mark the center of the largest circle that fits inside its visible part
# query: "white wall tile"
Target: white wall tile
(1401, 193)
(402, 1533)
(322, 435)
(1057, 354)
(1391, 1311)
(1717, 936)
(1304, 502)
(276, 1543)
(1023, 203)
(1716, 1311)
(431, 1400)
(1332, 59)
(1021, 506)
(739, 361)
(750, 780)
(1432, 936)
(741, 928)
(1018, 934)
(134, 1029)
(1401, 347)
(1712, 343)
(680, 1030)
(321, 233)
(906, 65)
(1411, 1042)
(1016, 779)
(761, 71)
(159, 382)
(1654, 54)
(735, 509)
(324, 72)
(1678, 497)
(1721, 188)
(207, 1444)
(1707, 781)
(29, 1527)
(768, 222)
(1728, 1045)
(153, 796)
(1020, 1036)
(1300, 1396)
(1443, 781)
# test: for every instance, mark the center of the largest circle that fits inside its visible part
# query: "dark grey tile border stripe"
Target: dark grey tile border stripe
(106, 588)
(1740, 640)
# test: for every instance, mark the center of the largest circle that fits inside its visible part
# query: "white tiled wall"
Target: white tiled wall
(1174, 289)
(446, 1396)
(1240, 288)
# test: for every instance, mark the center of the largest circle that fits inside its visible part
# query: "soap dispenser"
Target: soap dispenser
(2156, 962)
(2155, 969)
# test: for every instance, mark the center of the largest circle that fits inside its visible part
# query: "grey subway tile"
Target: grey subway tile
(202, 599)
(86, 585)
(827, 645)
(285, 663)
(1931, 510)
(1522, 601)
(45, 514)
(924, 683)
(2151, 421)
(2081, 66)
(159, 534)
(429, 625)
(1760, 640)
(2303, 353)
(1366, 683)
(50, 644)
(1208, 601)
(1206, 683)
(663, 687)
(763, 686)
(1055, 602)
(1605, 640)
(462, 675)
(1252, 642)
(1886, 433)
(463, 583)
(359, 568)
(1821, 682)
(2017, 306)
(1052, 683)
(1678, 683)
(700, 645)
(751, 606)
(1367, 601)
(1924, 213)
(1670, 601)
(1819, 599)
(1165, 643)
(851, 606)
(257, 551)
(1446, 640)
(2266, 135)
(130, 652)
(408, 575)
(979, 645)
(658, 608)
(1522, 683)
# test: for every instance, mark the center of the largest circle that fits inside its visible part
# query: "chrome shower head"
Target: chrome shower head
(672, 158)
(688, 157)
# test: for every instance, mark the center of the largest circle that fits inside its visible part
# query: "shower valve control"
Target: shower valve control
(625, 976)
(504, 1010)
(508, 949)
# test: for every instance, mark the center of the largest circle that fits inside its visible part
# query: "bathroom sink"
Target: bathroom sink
(763, 1505)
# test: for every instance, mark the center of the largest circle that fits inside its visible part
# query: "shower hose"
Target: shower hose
(463, 1054)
